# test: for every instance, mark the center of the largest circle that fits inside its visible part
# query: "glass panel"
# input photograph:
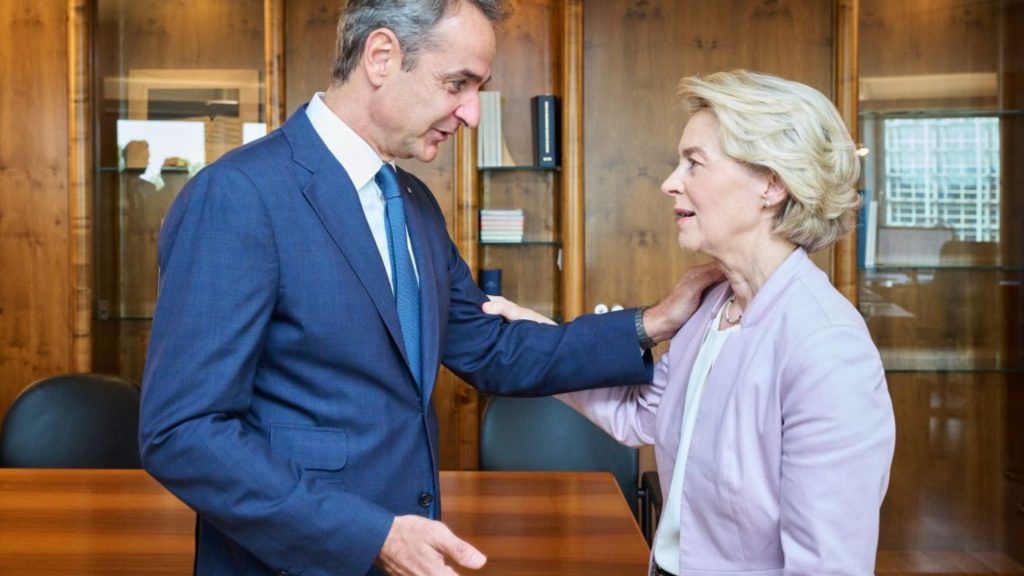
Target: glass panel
(178, 85)
(530, 258)
(940, 255)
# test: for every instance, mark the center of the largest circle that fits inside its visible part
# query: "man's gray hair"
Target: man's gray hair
(412, 21)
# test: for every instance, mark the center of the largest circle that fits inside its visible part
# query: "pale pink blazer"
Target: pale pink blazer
(794, 435)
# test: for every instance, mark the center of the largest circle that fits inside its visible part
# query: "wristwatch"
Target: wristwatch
(645, 340)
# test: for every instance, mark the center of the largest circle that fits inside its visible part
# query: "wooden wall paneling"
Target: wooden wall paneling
(845, 96)
(458, 405)
(928, 37)
(35, 303)
(273, 63)
(224, 34)
(1012, 253)
(105, 197)
(1012, 98)
(635, 55)
(309, 39)
(573, 211)
(80, 181)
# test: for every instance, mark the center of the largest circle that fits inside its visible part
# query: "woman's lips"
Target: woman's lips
(682, 214)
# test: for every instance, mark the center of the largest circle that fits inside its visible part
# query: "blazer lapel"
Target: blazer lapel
(331, 195)
(416, 205)
(683, 352)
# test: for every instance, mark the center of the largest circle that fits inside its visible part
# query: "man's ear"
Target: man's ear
(382, 56)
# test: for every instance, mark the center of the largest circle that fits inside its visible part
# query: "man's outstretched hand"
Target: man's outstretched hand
(417, 546)
(661, 321)
(510, 311)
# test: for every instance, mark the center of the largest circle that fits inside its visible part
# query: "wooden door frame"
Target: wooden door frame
(846, 78)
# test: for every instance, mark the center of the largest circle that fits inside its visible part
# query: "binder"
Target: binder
(545, 130)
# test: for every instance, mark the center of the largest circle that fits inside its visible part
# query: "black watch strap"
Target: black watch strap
(645, 341)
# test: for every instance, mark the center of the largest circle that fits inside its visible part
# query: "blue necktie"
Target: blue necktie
(403, 276)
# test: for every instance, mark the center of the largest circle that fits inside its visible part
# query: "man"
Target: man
(286, 396)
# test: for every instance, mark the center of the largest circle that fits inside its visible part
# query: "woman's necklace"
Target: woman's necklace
(728, 307)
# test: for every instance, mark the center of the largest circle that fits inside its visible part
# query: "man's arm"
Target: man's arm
(219, 283)
(660, 322)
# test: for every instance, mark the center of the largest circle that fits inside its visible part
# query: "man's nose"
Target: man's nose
(468, 111)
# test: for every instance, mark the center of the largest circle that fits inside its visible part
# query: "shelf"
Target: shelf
(946, 361)
(552, 243)
(942, 113)
(529, 168)
(924, 267)
(117, 170)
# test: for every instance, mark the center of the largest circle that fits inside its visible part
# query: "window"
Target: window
(943, 173)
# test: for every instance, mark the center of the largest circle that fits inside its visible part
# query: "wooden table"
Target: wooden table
(113, 522)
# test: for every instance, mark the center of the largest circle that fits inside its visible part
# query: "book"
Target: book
(501, 226)
(488, 138)
(544, 109)
(490, 281)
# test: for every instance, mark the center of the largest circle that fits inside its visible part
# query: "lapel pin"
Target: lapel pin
(409, 190)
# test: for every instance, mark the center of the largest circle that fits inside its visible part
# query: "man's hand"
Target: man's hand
(511, 311)
(416, 546)
(664, 319)
(661, 321)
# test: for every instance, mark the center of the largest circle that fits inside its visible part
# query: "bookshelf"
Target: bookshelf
(539, 52)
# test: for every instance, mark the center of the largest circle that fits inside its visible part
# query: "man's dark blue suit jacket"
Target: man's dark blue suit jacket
(277, 401)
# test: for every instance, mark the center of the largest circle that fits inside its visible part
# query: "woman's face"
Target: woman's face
(719, 203)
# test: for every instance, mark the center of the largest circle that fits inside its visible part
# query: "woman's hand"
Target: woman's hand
(510, 311)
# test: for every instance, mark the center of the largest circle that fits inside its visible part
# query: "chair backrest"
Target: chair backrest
(73, 421)
(545, 434)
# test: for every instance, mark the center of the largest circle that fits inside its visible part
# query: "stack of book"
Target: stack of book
(488, 134)
(501, 226)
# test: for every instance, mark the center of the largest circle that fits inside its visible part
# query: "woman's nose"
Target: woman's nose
(672, 185)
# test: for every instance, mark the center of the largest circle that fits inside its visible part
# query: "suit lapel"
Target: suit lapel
(416, 207)
(336, 202)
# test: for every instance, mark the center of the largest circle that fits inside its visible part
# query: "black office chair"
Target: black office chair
(650, 502)
(545, 434)
(73, 421)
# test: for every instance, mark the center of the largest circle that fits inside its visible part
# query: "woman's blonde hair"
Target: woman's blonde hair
(794, 131)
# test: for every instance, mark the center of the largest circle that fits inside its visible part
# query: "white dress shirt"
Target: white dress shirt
(361, 163)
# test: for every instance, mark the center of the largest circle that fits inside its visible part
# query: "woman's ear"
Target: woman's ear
(774, 192)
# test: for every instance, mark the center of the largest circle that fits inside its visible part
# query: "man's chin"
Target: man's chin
(427, 154)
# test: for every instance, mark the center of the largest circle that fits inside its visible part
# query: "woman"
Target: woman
(771, 419)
